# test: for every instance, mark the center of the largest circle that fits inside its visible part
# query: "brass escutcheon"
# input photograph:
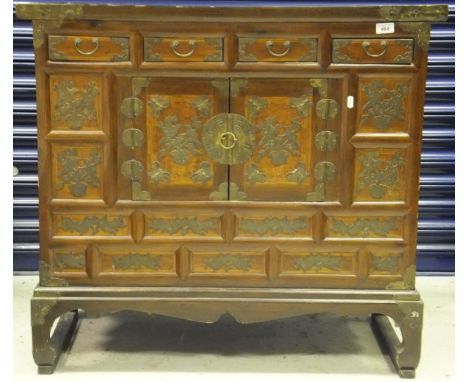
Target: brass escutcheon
(227, 137)
(326, 108)
(132, 107)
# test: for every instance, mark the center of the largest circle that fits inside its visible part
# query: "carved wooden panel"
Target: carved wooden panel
(89, 48)
(77, 171)
(297, 123)
(69, 259)
(386, 261)
(148, 261)
(270, 225)
(75, 102)
(384, 104)
(225, 261)
(92, 224)
(183, 224)
(160, 148)
(364, 227)
(318, 263)
(380, 175)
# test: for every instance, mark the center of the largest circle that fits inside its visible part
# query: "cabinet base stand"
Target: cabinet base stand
(246, 305)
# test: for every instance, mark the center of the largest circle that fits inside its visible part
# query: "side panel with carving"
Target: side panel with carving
(77, 171)
(75, 102)
(297, 124)
(384, 104)
(380, 175)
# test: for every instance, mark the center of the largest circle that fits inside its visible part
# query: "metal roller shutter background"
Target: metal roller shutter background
(436, 227)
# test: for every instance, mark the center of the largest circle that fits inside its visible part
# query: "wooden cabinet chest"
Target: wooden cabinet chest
(261, 162)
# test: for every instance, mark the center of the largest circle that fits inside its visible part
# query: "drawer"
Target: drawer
(175, 49)
(372, 51)
(88, 48)
(274, 49)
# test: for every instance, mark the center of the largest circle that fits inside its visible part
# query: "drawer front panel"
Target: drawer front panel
(385, 262)
(175, 49)
(88, 48)
(372, 51)
(273, 49)
(148, 261)
(70, 260)
(257, 226)
(92, 224)
(228, 263)
(367, 228)
(318, 263)
(171, 224)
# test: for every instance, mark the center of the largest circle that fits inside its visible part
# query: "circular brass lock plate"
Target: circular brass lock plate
(132, 107)
(325, 140)
(132, 169)
(326, 108)
(324, 171)
(228, 138)
(132, 138)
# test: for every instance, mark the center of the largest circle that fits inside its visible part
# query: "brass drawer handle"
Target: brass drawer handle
(287, 48)
(366, 45)
(175, 45)
(77, 43)
(227, 140)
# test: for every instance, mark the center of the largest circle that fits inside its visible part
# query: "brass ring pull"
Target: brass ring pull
(287, 47)
(366, 45)
(77, 43)
(175, 45)
(227, 137)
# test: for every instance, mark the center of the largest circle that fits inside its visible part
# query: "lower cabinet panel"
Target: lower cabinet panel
(299, 265)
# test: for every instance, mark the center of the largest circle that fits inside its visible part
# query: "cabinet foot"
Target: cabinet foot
(48, 348)
(404, 354)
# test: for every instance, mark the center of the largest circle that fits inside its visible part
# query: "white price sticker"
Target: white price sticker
(382, 28)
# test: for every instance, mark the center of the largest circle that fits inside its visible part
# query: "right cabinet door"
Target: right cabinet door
(298, 124)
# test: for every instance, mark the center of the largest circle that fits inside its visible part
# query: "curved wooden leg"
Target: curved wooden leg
(47, 349)
(405, 355)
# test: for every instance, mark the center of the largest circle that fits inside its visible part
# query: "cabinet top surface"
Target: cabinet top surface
(86, 11)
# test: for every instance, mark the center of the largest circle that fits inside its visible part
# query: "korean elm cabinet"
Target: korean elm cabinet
(261, 162)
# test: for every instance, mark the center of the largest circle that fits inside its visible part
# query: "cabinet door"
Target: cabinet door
(160, 150)
(297, 125)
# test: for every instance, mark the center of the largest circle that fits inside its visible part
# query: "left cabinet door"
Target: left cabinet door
(160, 127)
